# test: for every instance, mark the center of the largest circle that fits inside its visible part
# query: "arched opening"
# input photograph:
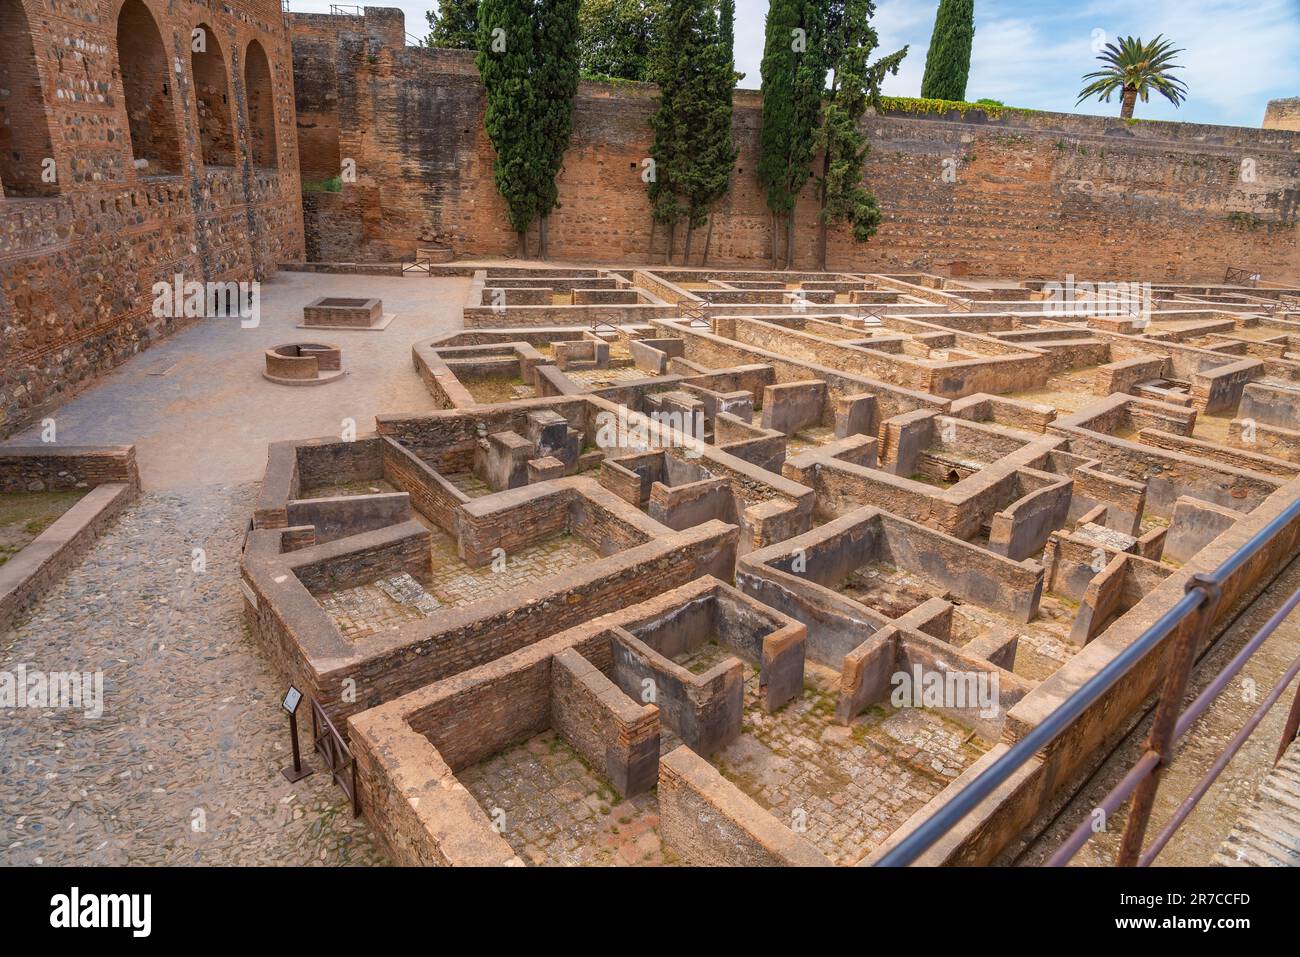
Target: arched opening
(261, 106)
(212, 98)
(26, 157)
(147, 85)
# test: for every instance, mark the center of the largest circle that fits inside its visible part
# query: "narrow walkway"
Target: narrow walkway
(184, 765)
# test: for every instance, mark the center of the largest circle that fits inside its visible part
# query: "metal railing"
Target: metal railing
(329, 744)
(1201, 599)
(693, 312)
(414, 264)
(870, 315)
(1241, 276)
(1285, 305)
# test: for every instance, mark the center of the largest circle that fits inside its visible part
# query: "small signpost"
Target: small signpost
(292, 698)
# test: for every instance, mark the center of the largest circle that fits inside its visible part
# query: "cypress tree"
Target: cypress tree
(794, 77)
(454, 24)
(705, 110)
(693, 148)
(947, 65)
(857, 83)
(528, 61)
(505, 55)
(670, 148)
(557, 85)
(718, 148)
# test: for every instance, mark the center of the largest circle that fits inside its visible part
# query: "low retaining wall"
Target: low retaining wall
(111, 475)
(708, 821)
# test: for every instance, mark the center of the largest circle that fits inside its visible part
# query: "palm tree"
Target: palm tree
(1136, 68)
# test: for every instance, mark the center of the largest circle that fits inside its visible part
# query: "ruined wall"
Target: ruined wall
(1034, 193)
(1283, 114)
(79, 255)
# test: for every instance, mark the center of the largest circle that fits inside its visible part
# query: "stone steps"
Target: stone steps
(1268, 834)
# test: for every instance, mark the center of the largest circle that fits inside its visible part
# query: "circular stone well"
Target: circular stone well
(303, 363)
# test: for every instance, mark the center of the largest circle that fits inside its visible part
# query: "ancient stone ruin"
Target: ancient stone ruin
(602, 559)
(698, 553)
(303, 363)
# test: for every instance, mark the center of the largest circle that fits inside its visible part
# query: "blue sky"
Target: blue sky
(1032, 53)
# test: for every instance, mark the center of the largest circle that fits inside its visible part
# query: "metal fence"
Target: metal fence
(1170, 723)
(329, 744)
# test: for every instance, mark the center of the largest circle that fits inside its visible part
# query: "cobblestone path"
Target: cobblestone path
(184, 765)
(553, 809)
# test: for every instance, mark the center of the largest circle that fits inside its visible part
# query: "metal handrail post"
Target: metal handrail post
(1292, 727)
(1162, 740)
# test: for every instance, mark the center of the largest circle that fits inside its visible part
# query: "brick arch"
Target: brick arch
(259, 94)
(148, 85)
(212, 97)
(26, 152)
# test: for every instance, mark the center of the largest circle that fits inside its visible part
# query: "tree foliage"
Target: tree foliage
(693, 149)
(845, 200)
(1135, 69)
(617, 37)
(713, 149)
(793, 75)
(527, 59)
(453, 24)
(556, 82)
(947, 64)
(795, 61)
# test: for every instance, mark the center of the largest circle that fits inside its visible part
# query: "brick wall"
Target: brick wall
(1035, 193)
(79, 256)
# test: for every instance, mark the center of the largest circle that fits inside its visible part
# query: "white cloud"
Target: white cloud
(1033, 53)
(1237, 54)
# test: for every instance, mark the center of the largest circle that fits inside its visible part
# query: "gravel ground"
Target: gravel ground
(184, 765)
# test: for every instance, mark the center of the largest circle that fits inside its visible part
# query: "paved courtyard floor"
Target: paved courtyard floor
(184, 765)
(845, 788)
(553, 809)
(198, 410)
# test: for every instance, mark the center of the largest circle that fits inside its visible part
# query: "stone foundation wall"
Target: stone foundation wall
(710, 822)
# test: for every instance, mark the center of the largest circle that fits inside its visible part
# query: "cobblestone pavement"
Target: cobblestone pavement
(469, 483)
(391, 602)
(378, 606)
(498, 390)
(845, 788)
(555, 810)
(805, 439)
(455, 583)
(599, 378)
(184, 765)
(1044, 644)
